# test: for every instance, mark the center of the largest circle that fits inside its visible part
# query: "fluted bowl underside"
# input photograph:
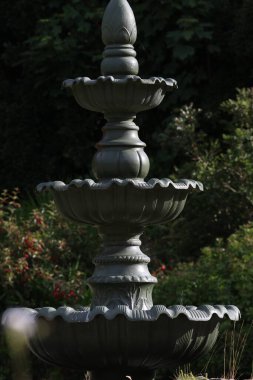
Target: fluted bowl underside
(128, 95)
(120, 338)
(121, 201)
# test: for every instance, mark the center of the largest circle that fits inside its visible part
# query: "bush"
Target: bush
(222, 275)
(224, 165)
(44, 259)
(44, 262)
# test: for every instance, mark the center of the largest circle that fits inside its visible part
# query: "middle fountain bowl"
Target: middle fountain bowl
(121, 201)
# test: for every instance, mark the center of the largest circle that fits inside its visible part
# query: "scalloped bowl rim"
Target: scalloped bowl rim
(202, 313)
(168, 82)
(183, 184)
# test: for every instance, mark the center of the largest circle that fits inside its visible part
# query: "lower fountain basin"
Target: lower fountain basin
(120, 338)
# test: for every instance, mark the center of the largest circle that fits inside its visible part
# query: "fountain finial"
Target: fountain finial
(119, 33)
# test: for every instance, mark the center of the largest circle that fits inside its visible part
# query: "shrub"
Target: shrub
(224, 165)
(222, 275)
(44, 259)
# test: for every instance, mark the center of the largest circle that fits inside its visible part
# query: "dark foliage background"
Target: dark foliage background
(206, 46)
(202, 131)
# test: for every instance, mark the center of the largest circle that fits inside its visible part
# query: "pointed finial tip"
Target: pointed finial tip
(119, 26)
(119, 33)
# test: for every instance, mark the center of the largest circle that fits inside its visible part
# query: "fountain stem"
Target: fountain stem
(121, 276)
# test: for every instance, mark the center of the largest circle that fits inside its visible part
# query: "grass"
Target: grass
(232, 343)
(234, 346)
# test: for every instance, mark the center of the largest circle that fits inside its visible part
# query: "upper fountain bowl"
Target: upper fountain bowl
(128, 95)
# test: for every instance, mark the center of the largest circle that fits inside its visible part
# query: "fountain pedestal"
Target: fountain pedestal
(122, 333)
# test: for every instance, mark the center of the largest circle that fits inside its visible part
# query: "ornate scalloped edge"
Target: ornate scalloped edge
(167, 83)
(202, 313)
(183, 184)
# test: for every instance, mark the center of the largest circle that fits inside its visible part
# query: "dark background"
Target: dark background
(205, 45)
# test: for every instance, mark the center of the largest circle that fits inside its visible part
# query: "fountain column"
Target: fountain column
(121, 276)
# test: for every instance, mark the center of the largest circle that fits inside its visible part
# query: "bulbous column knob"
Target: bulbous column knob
(120, 152)
(119, 33)
(120, 163)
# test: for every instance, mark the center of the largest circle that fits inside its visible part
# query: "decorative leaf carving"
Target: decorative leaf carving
(125, 34)
(134, 296)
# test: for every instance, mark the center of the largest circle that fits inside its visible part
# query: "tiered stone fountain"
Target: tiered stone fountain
(122, 333)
